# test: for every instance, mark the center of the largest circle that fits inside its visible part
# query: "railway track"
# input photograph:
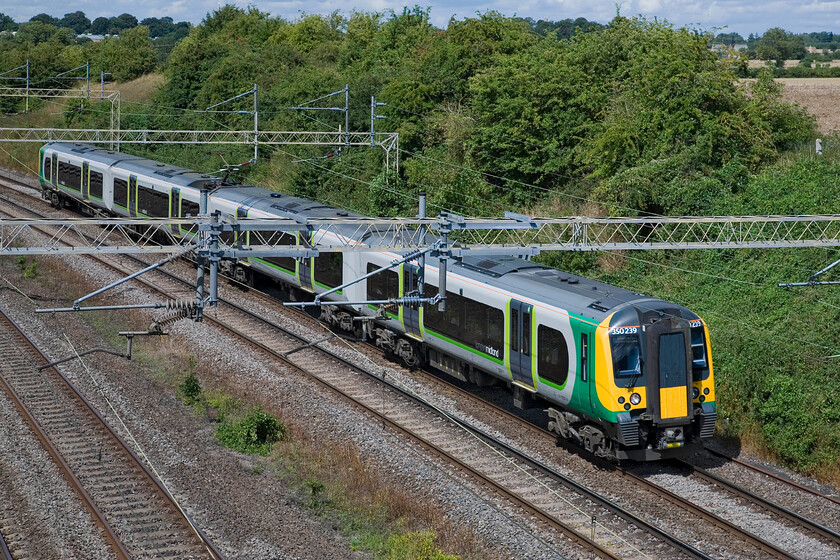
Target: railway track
(138, 516)
(514, 473)
(593, 522)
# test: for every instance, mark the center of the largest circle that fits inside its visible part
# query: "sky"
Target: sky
(740, 16)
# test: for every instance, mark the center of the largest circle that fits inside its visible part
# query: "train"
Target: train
(622, 375)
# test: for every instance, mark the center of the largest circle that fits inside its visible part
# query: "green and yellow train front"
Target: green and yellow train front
(654, 381)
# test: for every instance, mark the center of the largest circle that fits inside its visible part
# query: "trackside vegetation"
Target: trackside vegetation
(499, 113)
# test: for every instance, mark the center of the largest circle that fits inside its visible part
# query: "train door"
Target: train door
(54, 170)
(521, 342)
(304, 265)
(132, 196)
(174, 209)
(590, 389)
(668, 370)
(85, 180)
(411, 313)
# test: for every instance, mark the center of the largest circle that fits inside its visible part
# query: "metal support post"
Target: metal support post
(102, 87)
(87, 80)
(27, 85)
(347, 115)
(199, 261)
(443, 257)
(256, 125)
(214, 260)
(421, 277)
(373, 117)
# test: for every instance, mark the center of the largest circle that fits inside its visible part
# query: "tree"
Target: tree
(729, 39)
(128, 56)
(100, 26)
(77, 21)
(158, 27)
(45, 18)
(779, 45)
(7, 23)
(122, 21)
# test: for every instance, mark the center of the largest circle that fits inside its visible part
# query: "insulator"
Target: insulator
(412, 301)
(179, 309)
(187, 304)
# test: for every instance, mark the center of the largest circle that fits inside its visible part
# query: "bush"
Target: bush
(253, 434)
(190, 389)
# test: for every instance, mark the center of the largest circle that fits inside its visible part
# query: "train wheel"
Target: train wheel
(55, 201)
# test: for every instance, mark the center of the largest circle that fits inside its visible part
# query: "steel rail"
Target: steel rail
(802, 521)
(5, 553)
(40, 433)
(772, 475)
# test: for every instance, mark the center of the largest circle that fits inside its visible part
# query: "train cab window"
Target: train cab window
(47, 167)
(552, 355)
(121, 193)
(699, 357)
(672, 364)
(383, 285)
(627, 358)
(328, 269)
(95, 186)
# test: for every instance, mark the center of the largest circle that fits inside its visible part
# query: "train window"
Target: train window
(276, 238)
(526, 333)
(627, 359)
(672, 360)
(70, 175)
(328, 269)
(699, 358)
(95, 187)
(121, 193)
(552, 355)
(151, 202)
(47, 167)
(468, 321)
(384, 285)
(454, 312)
(188, 207)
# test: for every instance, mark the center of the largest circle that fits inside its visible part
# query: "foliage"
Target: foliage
(779, 45)
(254, 433)
(27, 269)
(128, 56)
(414, 546)
(190, 389)
(7, 23)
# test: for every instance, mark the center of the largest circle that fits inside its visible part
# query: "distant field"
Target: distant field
(820, 96)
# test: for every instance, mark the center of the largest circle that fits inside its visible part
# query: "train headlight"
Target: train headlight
(695, 392)
(635, 398)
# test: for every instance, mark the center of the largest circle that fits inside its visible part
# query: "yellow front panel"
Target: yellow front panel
(674, 402)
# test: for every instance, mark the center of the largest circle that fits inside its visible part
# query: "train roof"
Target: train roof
(282, 205)
(179, 176)
(583, 296)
